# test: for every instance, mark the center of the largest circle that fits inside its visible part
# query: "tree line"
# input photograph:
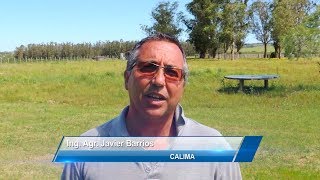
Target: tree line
(58, 51)
(215, 26)
(69, 50)
(292, 26)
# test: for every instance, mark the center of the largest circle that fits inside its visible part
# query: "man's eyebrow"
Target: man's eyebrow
(148, 60)
(156, 62)
(153, 61)
(170, 66)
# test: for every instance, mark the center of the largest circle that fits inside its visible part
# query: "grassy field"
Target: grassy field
(258, 48)
(41, 102)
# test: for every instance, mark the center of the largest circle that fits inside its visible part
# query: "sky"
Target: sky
(42, 21)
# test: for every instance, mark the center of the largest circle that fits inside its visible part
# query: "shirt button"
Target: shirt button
(147, 170)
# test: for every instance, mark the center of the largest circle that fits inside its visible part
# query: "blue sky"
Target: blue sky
(41, 21)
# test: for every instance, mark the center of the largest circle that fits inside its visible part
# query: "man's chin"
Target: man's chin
(155, 112)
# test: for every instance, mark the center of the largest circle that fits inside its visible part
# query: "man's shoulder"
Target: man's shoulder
(114, 127)
(194, 128)
(102, 130)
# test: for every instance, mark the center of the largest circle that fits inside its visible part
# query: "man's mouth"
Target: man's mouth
(156, 97)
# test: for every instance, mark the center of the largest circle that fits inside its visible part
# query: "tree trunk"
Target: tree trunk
(232, 51)
(277, 49)
(265, 50)
(225, 49)
(202, 54)
(213, 52)
(214, 55)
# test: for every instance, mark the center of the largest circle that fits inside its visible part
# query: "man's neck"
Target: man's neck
(141, 126)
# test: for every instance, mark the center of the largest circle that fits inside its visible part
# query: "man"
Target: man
(155, 77)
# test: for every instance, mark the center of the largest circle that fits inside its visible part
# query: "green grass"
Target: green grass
(41, 102)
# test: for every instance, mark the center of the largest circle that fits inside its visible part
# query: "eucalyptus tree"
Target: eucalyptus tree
(19, 52)
(233, 24)
(203, 27)
(260, 20)
(303, 40)
(166, 19)
(286, 15)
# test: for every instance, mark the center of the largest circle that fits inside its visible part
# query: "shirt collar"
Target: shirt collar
(119, 127)
(180, 120)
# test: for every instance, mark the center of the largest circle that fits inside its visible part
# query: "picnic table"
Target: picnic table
(241, 79)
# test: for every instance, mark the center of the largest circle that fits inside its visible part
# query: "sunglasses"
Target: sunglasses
(150, 69)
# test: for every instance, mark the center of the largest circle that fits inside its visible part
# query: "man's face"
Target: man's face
(155, 97)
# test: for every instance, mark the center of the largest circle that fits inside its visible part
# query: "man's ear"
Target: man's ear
(126, 75)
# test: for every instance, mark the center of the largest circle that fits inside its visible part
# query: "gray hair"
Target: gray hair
(133, 54)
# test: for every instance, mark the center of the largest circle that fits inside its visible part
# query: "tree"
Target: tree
(233, 25)
(166, 19)
(304, 40)
(242, 26)
(287, 14)
(19, 53)
(188, 48)
(203, 28)
(260, 18)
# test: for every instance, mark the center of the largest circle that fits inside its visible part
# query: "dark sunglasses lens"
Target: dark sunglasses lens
(148, 68)
(173, 73)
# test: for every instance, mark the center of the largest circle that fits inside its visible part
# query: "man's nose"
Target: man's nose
(159, 79)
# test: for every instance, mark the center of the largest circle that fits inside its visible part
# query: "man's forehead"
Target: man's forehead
(160, 50)
(158, 43)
